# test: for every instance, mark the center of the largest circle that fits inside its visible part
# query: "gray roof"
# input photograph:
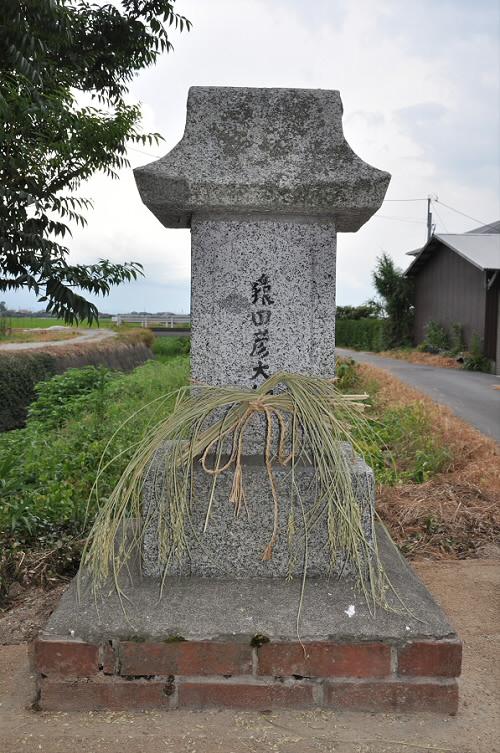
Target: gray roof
(490, 229)
(480, 249)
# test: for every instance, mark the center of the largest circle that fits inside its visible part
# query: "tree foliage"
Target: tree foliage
(65, 67)
(369, 310)
(396, 291)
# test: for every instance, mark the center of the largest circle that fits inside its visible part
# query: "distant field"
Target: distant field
(29, 322)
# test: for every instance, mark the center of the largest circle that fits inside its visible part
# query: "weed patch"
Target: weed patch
(48, 468)
(454, 513)
(168, 346)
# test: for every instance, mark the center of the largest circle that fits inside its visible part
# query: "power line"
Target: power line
(404, 200)
(441, 219)
(140, 151)
(474, 219)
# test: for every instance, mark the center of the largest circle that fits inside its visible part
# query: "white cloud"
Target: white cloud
(394, 62)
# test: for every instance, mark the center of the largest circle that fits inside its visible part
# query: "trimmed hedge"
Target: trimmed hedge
(362, 334)
(18, 375)
(21, 371)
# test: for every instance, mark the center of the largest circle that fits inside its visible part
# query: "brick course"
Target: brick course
(60, 657)
(392, 696)
(247, 695)
(125, 675)
(185, 658)
(112, 695)
(325, 659)
(430, 659)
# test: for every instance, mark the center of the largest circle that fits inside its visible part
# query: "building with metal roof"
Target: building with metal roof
(457, 281)
(490, 228)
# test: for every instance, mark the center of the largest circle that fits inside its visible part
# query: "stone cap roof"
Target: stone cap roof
(264, 151)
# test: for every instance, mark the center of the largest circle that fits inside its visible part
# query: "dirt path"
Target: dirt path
(468, 590)
(96, 335)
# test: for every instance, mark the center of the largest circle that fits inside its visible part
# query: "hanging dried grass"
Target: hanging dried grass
(312, 419)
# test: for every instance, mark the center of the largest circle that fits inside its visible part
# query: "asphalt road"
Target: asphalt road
(470, 395)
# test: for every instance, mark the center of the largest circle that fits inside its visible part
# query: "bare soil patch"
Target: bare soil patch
(468, 591)
(28, 612)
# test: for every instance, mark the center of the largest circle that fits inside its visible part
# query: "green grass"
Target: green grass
(49, 466)
(404, 447)
(34, 336)
(47, 469)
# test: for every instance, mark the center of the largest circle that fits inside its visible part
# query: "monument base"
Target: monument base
(232, 643)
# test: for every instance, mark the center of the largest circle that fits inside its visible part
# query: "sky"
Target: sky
(420, 84)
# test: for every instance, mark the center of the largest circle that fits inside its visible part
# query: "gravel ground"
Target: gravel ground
(468, 590)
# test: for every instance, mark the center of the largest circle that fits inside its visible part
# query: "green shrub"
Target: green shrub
(436, 339)
(475, 360)
(361, 334)
(19, 373)
(347, 373)
(66, 395)
(457, 344)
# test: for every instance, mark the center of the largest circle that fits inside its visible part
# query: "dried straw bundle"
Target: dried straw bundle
(312, 419)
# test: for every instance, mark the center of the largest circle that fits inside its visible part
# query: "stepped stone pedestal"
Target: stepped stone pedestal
(264, 179)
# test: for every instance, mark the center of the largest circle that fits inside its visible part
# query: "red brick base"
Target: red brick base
(124, 675)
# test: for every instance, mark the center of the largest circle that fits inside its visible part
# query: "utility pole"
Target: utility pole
(430, 226)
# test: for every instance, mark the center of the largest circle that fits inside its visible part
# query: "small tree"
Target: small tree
(369, 310)
(396, 291)
(55, 55)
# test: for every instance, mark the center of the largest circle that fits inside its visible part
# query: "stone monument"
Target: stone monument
(264, 179)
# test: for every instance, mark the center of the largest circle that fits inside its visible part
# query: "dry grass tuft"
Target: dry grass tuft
(307, 417)
(428, 359)
(457, 513)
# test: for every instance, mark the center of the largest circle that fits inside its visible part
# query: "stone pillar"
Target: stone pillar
(265, 179)
(263, 297)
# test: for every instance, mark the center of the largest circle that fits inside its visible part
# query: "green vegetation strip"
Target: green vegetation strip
(47, 469)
